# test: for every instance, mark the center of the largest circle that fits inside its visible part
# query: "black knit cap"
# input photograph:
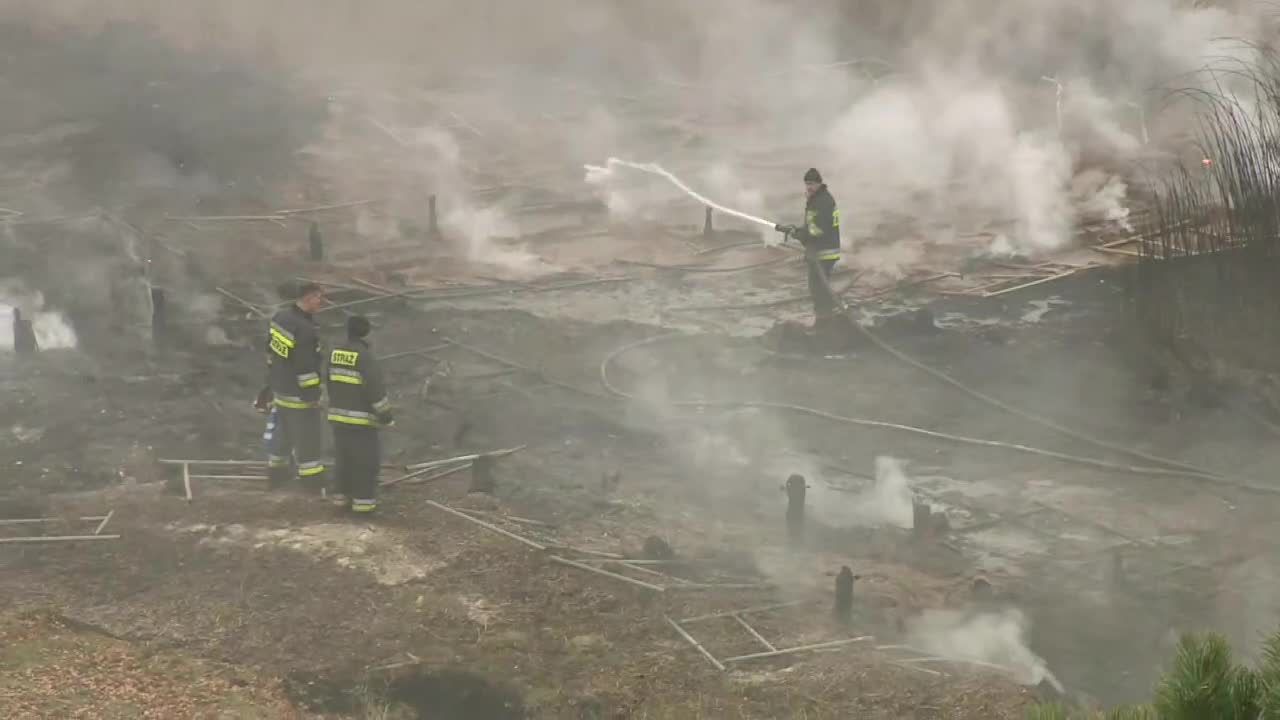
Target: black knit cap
(813, 176)
(357, 326)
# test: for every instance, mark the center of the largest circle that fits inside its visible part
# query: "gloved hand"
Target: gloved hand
(788, 231)
(387, 420)
(263, 402)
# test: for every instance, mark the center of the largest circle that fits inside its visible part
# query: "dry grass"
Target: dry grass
(48, 669)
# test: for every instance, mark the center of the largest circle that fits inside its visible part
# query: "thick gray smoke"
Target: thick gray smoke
(1003, 120)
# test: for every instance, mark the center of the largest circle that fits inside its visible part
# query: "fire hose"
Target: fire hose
(1161, 466)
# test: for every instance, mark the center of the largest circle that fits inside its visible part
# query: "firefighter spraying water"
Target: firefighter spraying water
(819, 234)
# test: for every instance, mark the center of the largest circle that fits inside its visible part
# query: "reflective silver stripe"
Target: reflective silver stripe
(351, 413)
(277, 460)
(382, 405)
(351, 377)
(336, 413)
(363, 505)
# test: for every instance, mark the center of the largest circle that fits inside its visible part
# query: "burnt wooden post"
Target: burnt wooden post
(844, 596)
(433, 219)
(24, 336)
(795, 489)
(159, 316)
(315, 241)
(482, 480)
(921, 519)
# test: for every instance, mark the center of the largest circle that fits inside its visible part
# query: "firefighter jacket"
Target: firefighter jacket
(293, 359)
(820, 234)
(357, 395)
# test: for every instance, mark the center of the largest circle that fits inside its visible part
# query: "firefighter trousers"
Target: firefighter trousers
(824, 301)
(358, 459)
(298, 440)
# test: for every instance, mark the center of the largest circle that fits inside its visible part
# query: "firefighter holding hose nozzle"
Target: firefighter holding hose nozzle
(820, 236)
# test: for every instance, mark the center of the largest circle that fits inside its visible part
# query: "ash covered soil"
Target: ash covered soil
(418, 609)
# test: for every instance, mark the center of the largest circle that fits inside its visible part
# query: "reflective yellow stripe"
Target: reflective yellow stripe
(351, 377)
(351, 420)
(835, 218)
(307, 380)
(830, 256)
(309, 469)
(363, 505)
(293, 403)
(284, 336)
(382, 405)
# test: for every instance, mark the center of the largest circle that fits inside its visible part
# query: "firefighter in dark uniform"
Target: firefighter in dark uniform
(358, 406)
(820, 236)
(293, 379)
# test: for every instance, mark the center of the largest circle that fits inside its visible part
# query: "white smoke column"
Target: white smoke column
(1039, 172)
(996, 638)
(50, 327)
(891, 499)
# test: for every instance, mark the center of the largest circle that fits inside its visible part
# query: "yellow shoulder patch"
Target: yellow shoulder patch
(344, 357)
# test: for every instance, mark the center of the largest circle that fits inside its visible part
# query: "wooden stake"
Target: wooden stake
(33, 521)
(424, 471)
(606, 573)
(697, 645)
(768, 645)
(802, 648)
(745, 611)
(488, 526)
(104, 522)
(58, 538)
(186, 480)
(239, 463)
(463, 458)
(355, 203)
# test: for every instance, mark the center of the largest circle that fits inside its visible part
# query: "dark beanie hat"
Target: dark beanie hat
(813, 176)
(357, 326)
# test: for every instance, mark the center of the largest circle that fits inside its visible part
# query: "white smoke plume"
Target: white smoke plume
(51, 328)
(996, 638)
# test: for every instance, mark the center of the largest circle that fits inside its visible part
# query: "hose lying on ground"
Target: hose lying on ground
(800, 409)
(1183, 468)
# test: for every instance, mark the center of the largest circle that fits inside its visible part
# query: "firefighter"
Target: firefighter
(358, 406)
(820, 236)
(293, 381)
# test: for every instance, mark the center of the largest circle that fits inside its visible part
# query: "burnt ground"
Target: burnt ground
(416, 608)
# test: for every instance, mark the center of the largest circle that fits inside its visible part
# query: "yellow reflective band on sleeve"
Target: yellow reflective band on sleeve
(835, 218)
(344, 357)
(363, 506)
(382, 405)
(829, 256)
(278, 329)
(306, 380)
(351, 377)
